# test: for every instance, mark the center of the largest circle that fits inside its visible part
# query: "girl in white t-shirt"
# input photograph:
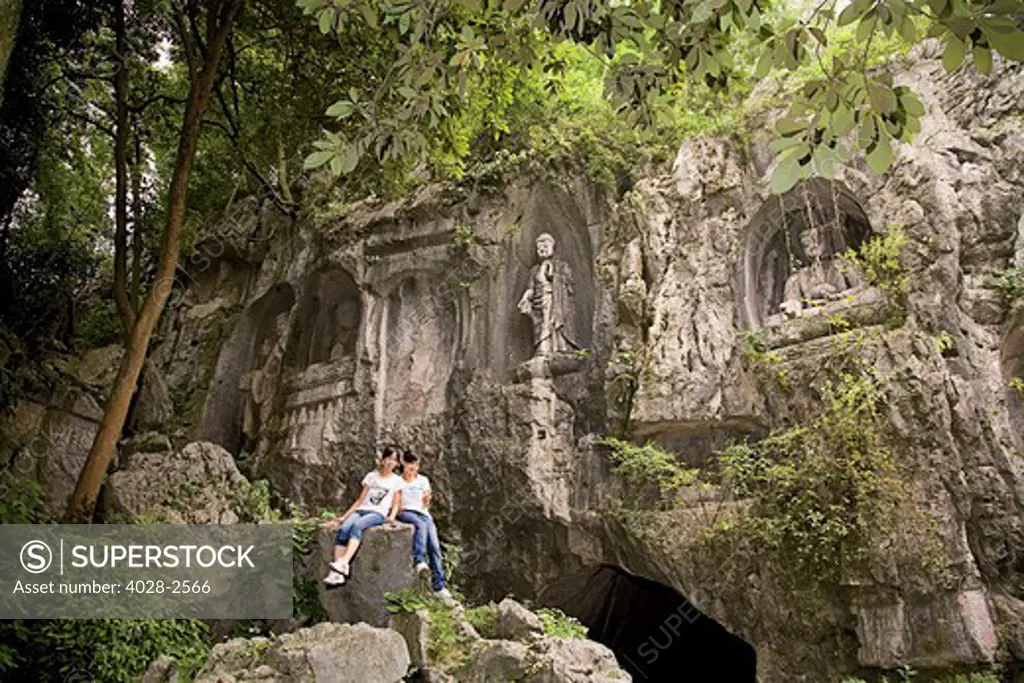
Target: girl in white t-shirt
(377, 503)
(414, 504)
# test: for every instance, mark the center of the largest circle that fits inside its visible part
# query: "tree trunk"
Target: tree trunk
(219, 19)
(137, 225)
(124, 308)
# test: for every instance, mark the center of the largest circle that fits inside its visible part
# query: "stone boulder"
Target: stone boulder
(383, 564)
(325, 653)
(547, 659)
(193, 486)
(414, 628)
(514, 622)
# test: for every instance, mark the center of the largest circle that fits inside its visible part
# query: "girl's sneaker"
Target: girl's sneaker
(335, 579)
(340, 566)
(421, 568)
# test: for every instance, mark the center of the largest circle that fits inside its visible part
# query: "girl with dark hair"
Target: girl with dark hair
(413, 505)
(377, 503)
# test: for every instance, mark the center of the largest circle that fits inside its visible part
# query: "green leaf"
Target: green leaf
(983, 59)
(882, 98)
(912, 104)
(866, 26)
(880, 158)
(826, 163)
(781, 144)
(843, 120)
(764, 64)
(953, 55)
(787, 126)
(866, 133)
(341, 109)
(369, 14)
(848, 15)
(513, 5)
(1007, 42)
(327, 20)
(349, 159)
(317, 159)
(908, 30)
(785, 176)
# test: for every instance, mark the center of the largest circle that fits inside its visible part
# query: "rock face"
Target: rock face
(545, 660)
(386, 323)
(192, 486)
(325, 653)
(49, 434)
(382, 564)
(414, 628)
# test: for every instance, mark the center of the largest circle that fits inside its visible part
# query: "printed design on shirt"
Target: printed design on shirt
(377, 495)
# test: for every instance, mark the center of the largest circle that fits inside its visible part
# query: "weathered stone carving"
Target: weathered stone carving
(818, 279)
(257, 385)
(548, 302)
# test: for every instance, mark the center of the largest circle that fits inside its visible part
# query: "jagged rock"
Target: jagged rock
(194, 485)
(515, 622)
(496, 660)
(382, 564)
(415, 629)
(162, 670)
(325, 653)
(153, 407)
(545, 660)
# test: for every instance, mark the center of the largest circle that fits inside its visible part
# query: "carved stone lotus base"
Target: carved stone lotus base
(540, 367)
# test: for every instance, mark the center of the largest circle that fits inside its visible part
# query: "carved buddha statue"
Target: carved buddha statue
(818, 279)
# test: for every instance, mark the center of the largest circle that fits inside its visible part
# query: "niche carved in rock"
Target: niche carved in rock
(419, 337)
(248, 368)
(324, 361)
(793, 276)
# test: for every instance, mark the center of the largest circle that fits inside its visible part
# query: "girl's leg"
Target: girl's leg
(434, 552)
(419, 536)
(344, 534)
(366, 520)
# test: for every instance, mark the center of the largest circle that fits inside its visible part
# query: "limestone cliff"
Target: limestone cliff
(299, 344)
(306, 343)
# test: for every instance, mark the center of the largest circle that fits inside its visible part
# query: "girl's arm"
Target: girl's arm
(396, 505)
(426, 499)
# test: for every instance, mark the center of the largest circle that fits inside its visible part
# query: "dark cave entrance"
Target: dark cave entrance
(655, 632)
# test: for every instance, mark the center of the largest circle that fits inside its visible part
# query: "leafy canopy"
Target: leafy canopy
(442, 51)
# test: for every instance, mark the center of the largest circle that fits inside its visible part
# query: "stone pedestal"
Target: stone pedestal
(383, 563)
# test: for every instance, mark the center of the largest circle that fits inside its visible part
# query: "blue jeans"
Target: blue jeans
(425, 543)
(358, 522)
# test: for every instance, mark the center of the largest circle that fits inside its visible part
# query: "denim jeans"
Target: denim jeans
(425, 544)
(358, 522)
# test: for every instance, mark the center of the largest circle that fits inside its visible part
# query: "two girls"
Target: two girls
(385, 497)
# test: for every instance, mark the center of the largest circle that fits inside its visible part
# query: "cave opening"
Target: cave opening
(656, 633)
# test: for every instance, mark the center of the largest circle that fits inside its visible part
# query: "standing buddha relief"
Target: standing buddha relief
(548, 301)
